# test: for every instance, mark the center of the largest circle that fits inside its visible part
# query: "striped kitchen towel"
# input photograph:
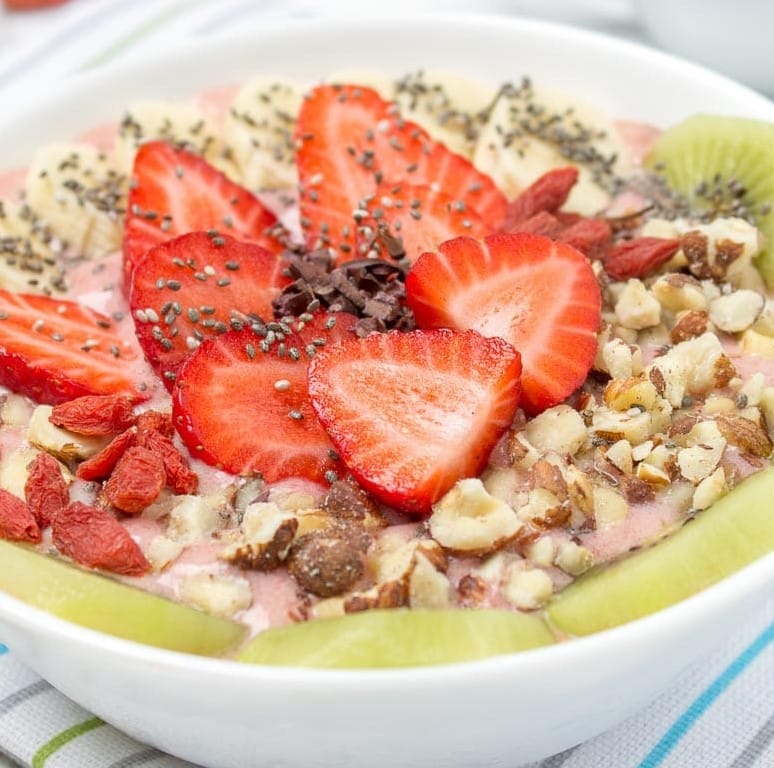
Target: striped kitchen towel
(718, 715)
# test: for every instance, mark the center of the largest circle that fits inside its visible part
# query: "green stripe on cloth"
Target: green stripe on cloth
(148, 26)
(65, 737)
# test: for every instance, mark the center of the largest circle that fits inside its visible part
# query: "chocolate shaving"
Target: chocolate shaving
(372, 289)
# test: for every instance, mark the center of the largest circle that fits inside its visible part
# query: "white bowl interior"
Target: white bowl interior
(504, 710)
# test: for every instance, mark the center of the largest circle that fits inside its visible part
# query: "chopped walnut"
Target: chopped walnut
(544, 474)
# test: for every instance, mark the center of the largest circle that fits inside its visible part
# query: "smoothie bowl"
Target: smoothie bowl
(436, 411)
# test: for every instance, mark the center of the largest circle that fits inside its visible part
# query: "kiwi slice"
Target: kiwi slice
(398, 638)
(732, 533)
(725, 165)
(101, 603)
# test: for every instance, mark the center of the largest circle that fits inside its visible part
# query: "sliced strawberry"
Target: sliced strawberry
(638, 257)
(196, 286)
(405, 220)
(412, 413)
(350, 140)
(54, 350)
(540, 296)
(247, 410)
(175, 191)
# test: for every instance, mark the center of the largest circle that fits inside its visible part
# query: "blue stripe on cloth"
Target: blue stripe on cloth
(706, 698)
(3, 649)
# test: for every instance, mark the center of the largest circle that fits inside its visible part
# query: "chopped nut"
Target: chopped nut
(520, 452)
(750, 437)
(391, 594)
(468, 519)
(347, 501)
(328, 608)
(619, 454)
(580, 490)
(652, 475)
(325, 565)
(544, 474)
(699, 461)
(755, 343)
(767, 409)
(636, 308)
(528, 589)
(544, 510)
(541, 551)
(751, 390)
(192, 518)
(428, 587)
(636, 491)
(612, 426)
(636, 391)
(267, 535)
(722, 249)
(620, 359)
(609, 506)
(718, 404)
(737, 311)
(573, 558)
(162, 551)
(677, 292)
(472, 591)
(689, 325)
(560, 429)
(709, 490)
(219, 595)
(640, 451)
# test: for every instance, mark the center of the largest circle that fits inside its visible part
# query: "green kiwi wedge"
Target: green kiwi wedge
(101, 603)
(733, 532)
(398, 638)
(702, 155)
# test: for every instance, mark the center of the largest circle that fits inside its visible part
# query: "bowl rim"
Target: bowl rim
(709, 602)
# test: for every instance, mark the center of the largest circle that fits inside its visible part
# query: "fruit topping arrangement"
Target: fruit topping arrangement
(415, 344)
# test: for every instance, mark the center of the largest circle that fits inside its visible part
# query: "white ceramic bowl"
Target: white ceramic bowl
(505, 710)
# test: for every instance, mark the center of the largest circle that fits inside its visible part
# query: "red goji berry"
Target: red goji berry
(100, 465)
(542, 223)
(149, 421)
(180, 477)
(590, 236)
(548, 193)
(17, 523)
(94, 414)
(92, 537)
(136, 480)
(45, 490)
(637, 257)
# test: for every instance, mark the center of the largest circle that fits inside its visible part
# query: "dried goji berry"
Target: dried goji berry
(548, 193)
(136, 481)
(92, 537)
(180, 477)
(100, 465)
(159, 421)
(17, 523)
(46, 489)
(542, 223)
(590, 236)
(637, 257)
(94, 414)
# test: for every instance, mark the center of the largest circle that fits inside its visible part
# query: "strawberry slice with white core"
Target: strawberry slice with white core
(412, 413)
(199, 285)
(540, 296)
(54, 350)
(241, 402)
(409, 219)
(350, 140)
(174, 191)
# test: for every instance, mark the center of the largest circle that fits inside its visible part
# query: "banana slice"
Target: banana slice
(532, 130)
(177, 122)
(259, 133)
(29, 252)
(452, 109)
(80, 194)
